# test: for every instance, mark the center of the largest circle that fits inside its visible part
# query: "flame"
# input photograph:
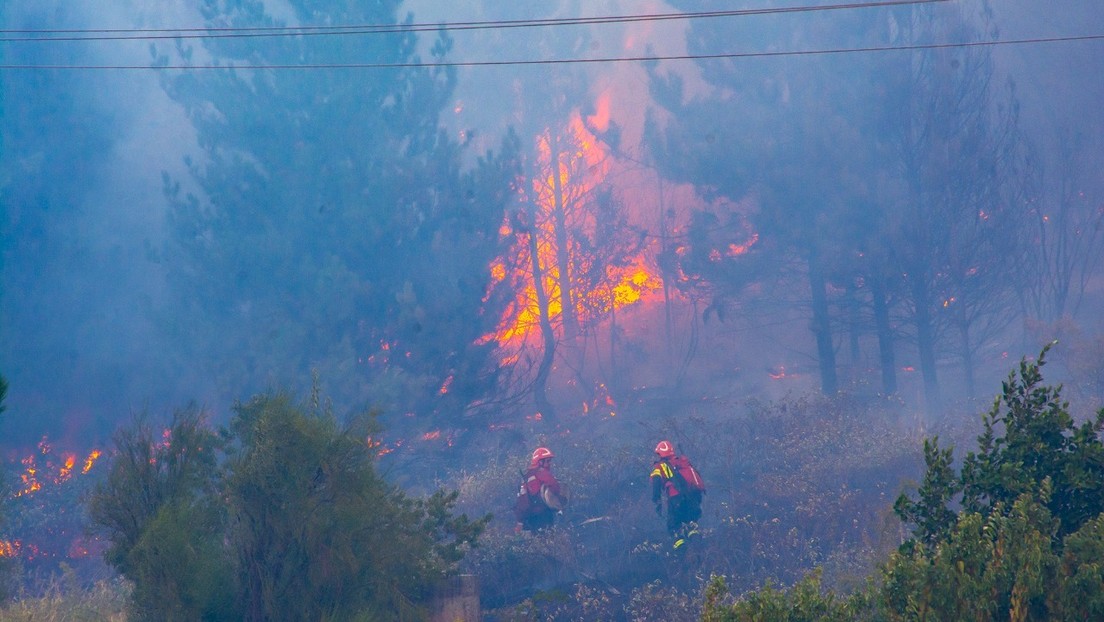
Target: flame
(562, 197)
(735, 250)
(56, 470)
(90, 460)
(66, 470)
(45, 477)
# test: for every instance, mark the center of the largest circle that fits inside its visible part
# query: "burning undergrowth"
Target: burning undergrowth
(45, 515)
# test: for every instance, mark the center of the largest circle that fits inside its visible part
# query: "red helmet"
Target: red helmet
(541, 453)
(665, 449)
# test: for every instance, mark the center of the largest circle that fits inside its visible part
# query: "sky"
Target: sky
(123, 216)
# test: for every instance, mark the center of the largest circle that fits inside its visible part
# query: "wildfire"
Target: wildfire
(32, 478)
(602, 401)
(41, 502)
(89, 461)
(565, 226)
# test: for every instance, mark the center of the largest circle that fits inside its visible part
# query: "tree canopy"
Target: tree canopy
(330, 223)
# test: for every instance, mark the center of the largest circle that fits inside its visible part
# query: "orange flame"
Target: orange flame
(562, 198)
(89, 461)
(57, 469)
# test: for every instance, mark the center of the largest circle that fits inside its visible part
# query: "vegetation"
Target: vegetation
(282, 516)
(6, 561)
(1017, 533)
(64, 599)
(259, 237)
(793, 484)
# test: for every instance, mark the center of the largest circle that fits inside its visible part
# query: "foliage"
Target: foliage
(281, 516)
(348, 193)
(63, 599)
(157, 510)
(150, 471)
(1016, 534)
(805, 602)
(931, 513)
(1028, 437)
(1008, 564)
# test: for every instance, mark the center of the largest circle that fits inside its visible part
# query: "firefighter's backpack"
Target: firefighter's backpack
(526, 505)
(687, 478)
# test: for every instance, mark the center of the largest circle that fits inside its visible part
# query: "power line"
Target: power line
(567, 61)
(149, 34)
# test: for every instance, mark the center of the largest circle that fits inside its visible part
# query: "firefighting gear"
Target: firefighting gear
(539, 496)
(687, 533)
(665, 449)
(683, 497)
(540, 453)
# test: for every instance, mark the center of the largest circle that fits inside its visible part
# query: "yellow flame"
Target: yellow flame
(90, 460)
(583, 163)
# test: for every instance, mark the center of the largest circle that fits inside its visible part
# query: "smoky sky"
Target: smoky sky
(83, 306)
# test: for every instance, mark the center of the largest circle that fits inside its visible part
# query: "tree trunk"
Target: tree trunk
(925, 343)
(822, 329)
(967, 357)
(563, 250)
(540, 383)
(885, 337)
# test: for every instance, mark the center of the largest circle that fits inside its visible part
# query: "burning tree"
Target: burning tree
(573, 259)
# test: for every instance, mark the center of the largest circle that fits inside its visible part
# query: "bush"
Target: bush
(1016, 534)
(280, 517)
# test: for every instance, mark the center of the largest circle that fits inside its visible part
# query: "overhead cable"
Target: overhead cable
(564, 61)
(146, 34)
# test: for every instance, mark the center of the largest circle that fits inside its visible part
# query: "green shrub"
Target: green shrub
(280, 517)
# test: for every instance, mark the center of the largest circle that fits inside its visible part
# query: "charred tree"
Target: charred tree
(563, 244)
(958, 154)
(822, 328)
(886, 358)
(548, 334)
(1067, 229)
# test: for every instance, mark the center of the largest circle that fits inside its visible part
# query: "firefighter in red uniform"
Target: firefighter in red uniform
(675, 481)
(540, 497)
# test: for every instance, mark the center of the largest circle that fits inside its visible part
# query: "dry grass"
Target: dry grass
(62, 601)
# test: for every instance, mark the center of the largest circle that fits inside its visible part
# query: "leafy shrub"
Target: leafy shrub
(280, 517)
(1016, 534)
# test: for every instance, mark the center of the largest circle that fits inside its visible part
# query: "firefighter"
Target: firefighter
(676, 482)
(540, 496)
